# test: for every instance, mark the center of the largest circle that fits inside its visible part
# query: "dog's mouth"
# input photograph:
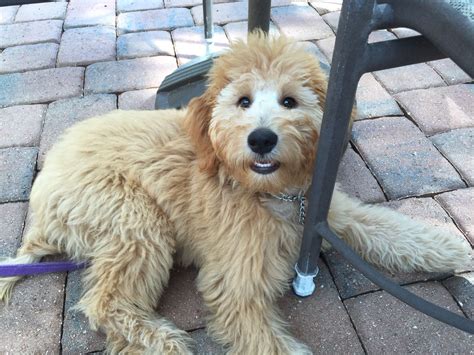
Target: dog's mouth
(265, 167)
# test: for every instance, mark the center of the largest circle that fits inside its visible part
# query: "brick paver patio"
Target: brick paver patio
(412, 149)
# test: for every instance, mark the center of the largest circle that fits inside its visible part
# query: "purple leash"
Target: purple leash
(40, 268)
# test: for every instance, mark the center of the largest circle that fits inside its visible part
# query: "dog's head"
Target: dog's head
(260, 117)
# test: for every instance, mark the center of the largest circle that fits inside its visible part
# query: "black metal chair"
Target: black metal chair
(446, 32)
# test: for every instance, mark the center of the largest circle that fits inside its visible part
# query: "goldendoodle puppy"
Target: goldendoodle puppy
(132, 192)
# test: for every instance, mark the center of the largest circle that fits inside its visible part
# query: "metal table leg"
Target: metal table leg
(259, 15)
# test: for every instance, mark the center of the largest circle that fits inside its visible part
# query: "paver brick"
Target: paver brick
(126, 75)
(326, 6)
(181, 303)
(164, 19)
(17, 167)
(64, 113)
(204, 344)
(380, 36)
(7, 14)
(462, 288)
(191, 3)
(16, 34)
(77, 337)
(402, 158)
(28, 57)
(82, 13)
(351, 282)
(327, 47)
(314, 49)
(357, 180)
(404, 32)
(43, 86)
(327, 44)
(332, 19)
(144, 44)
(41, 11)
(458, 147)
(222, 13)
(386, 325)
(278, 3)
(426, 210)
(459, 206)
(320, 321)
(440, 109)
(182, 3)
(87, 45)
(450, 72)
(410, 77)
(373, 100)
(301, 22)
(189, 42)
(239, 30)
(137, 100)
(31, 323)
(21, 125)
(137, 5)
(11, 225)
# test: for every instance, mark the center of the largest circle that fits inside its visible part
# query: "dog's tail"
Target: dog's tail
(32, 250)
(393, 241)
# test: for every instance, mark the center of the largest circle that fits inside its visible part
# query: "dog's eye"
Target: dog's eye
(289, 102)
(244, 102)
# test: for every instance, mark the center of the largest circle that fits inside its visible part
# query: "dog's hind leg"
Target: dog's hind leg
(393, 241)
(34, 247)
(127, 275)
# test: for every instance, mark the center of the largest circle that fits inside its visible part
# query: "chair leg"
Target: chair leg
(346, 70)
(259, 15)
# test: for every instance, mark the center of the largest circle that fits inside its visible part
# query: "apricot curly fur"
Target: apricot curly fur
(132, 192)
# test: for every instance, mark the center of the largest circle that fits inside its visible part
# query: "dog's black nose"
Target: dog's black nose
(262, 140)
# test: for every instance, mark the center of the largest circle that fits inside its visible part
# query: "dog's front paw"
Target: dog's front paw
(156, 339)
(173, 342)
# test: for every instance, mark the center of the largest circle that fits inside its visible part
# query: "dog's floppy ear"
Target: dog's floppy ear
(197, 122)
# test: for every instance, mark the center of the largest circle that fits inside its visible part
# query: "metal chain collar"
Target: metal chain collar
(301, 199)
